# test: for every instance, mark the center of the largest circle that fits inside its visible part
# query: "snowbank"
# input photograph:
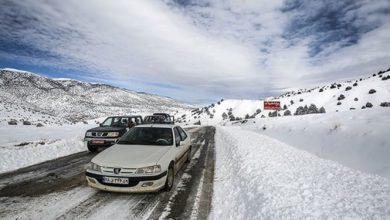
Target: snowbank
(357, 139)
(258, 177)
(22, 146)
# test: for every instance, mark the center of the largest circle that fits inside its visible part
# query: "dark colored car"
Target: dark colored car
(159, 118)
(110, 131)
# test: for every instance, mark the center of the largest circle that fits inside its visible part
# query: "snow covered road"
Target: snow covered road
(57, 190)
(258, 177)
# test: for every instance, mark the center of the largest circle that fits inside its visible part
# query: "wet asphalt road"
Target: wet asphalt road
(41, 191)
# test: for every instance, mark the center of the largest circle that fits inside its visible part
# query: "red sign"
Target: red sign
(271, 105)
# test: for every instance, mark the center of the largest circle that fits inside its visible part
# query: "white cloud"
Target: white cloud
(231, 48)
(142, 40)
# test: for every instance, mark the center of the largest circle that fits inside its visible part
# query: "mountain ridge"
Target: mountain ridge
(74, 100)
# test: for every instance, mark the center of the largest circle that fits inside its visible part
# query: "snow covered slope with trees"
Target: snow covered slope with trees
(27, 96)
(367, 92)
(346, 122)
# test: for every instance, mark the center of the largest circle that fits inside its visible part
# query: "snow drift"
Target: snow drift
(258, 177)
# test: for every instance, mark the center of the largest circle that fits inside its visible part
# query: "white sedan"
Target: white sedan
(145, 159)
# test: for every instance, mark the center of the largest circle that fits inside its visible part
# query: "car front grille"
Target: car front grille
(125, 171)
(99, 134)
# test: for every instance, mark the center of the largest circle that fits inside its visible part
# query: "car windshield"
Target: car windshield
(158, 119)
(154, 119)
(116, 122)
(148, 136)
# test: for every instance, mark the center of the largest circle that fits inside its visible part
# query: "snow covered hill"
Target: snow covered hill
(369, 92)
(353, 131)
(27, 96)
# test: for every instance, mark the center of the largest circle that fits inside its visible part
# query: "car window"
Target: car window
(131, 122)
(107, 122)
(177, 135)
(147, 136)
(183, 134)
(116, 121)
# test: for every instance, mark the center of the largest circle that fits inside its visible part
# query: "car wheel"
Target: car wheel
(189, 155)
(92, 148)
(170, 179)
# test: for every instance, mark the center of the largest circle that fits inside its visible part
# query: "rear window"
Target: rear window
(148, 136)
(154, 119)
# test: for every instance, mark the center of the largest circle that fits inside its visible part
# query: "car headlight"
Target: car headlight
(149, 169)
(112, 134)
(94, 167)
(88, 134)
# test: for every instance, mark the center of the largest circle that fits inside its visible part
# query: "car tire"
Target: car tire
(92, 148)
(170, 178)
(189, 155)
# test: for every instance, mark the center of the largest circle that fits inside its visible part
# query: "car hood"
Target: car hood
(130, 156)
(106, 129)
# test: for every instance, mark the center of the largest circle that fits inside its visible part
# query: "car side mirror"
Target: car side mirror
(177, 143)
(100, 125)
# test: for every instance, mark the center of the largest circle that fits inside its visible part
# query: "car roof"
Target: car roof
(124, 116)
(160, 114)
(156, 126)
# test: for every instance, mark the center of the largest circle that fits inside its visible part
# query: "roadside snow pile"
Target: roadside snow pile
(22, 146)
(358, 139)
(258, 177)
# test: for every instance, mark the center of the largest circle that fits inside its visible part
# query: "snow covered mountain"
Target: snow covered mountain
(369, 92)
(27, 96)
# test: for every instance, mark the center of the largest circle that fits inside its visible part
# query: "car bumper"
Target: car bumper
(136, 184)
(107, 142)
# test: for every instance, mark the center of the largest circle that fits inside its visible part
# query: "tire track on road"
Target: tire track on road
(52, 176)
(86, 208)
(181, 203)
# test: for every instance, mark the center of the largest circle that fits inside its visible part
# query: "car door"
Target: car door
(184, 143)
(179, 150)
(185, 139)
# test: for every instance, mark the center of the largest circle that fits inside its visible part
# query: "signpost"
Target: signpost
(272, 105)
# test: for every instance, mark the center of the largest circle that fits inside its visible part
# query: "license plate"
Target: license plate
(97, 141)
(115, 180)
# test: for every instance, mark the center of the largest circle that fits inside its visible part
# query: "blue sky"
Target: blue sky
(198, 51)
